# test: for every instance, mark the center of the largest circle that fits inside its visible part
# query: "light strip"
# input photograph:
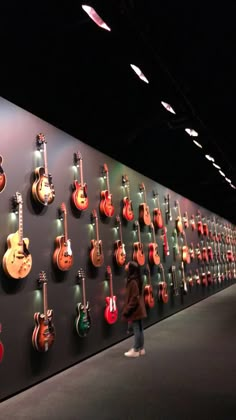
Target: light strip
(216, 166)
(139, 73)
(95, 17)
(211, 159)
(197, 144)
(191, 132)
(222, 173)
(168, 107)
(228, 180)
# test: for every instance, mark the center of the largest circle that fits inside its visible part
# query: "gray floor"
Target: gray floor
(189, 372)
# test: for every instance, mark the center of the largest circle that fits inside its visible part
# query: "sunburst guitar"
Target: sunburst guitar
(148, 290)
(106, 206)
(80, 190)
(63, 256)
(17, 260)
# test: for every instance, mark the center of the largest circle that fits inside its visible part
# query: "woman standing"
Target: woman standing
(134, 308)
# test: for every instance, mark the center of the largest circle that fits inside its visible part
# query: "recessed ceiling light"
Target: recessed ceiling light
(233, 186)
(95, 17)
(191, 132)
(139, 73)
(197, 144)
(168, 107)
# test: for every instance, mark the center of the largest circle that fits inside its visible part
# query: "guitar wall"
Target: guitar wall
(22, 366)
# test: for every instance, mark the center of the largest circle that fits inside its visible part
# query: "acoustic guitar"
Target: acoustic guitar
(157, 213)
(44, 334)
(43, 190)
(80, 189)
(111, 311)
(127, 210)
(148, 290)
(1, 346)
(163, 287)
(96, 252)
(144, 212)
(153, 255)
(3, 177)
(17, 260)
(138, 253)
(106, 206)
(119, 253)
(178, 220)
(63, 256)
(83, 317)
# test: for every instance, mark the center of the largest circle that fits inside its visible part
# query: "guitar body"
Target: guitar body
(127, 210)
(120, 254)
(1, 351)
(179, 225)
(144, 214)
(17, 264)
(62, 256)
(83, 320)
(185, 254)
(44, 332)
(154, 257)
(148, 296)
(163, 292)
(79, 196)
(3, 181)
(42, 189)
(157, 219)
(106, 207)
(111, 311)
(96, 253)
(138, 254)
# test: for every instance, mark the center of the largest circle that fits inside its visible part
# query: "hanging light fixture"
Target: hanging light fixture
(139, 73)
(168, 107)
(95, 17)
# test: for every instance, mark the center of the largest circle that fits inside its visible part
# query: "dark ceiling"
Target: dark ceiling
(59, 65)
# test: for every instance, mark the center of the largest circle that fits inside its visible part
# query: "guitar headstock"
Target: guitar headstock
(118, 221)
(136, 224)
(17, 199)
(77, 157)
(108, 272)
(80, 274)
(105, 169)
(148, 272)
(42, 278)
(40, 139)
(125, 180)
(63, 208)
(142, 186)
(94, 215)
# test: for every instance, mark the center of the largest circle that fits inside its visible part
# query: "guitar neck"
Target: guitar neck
(20, 225)
(45, 158)
(107, 181)
(81, 172)
(84, 293)
(65, 227)
(111, 286)
(138, 232)
(45, 300)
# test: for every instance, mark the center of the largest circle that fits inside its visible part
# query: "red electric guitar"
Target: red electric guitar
(144, 212)
(192, 222)
(106, 205)
(199, 223)
(3, 178)
(178, 221)
(185, 220)
(138, 253)
(162, 287)
(185, 250)
(1, 346)
(205, 227)
(166, 249)
(127, 210)
(119, 253)
(43, 335)
(96, 253)
(153, 255)
(80, 193)
(63, 256)
(111, 311)
(43, 189)
(148, 290)
(157, 214)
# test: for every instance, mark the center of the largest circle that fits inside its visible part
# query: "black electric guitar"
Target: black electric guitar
(119, 253)
(83, 318)
(43, 335)
(17, 260)
(3, 178)
(80, 190)
(43, 189)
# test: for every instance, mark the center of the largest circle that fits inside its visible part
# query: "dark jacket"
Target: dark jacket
(134, 306)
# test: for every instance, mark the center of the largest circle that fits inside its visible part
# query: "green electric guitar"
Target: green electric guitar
(83, 319)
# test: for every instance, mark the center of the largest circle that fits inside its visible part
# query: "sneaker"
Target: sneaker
(142, 352)
(132, 353)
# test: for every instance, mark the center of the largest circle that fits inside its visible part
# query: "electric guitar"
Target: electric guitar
(185, 250)
(184, 282)
(166, 248)
(43, 189)
(83, 318)
(199, 223)
(157, 213)
(148, 290)
(174, 281)
(17, 260)
(153, 255)
(127, 210)
(111, 311)
(175, 244)
(3, 177)
(192, 222)
(119, 253)
(44, 333)
(106, 206)
(96, 252)
(144, 212)
(63, 256)
(168, 212)
(162, 287)
(1, 346)
(138, 253)
(185, 220)
(205, 227)
(178, 221)
(80, 193)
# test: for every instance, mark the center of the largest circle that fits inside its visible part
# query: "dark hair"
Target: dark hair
(134, 273)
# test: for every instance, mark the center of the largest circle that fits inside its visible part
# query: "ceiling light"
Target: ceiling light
(95, 17)
(139, 73)
(191, 132)
(222, 173)
(211, 159)
(216, 166)
(228, 180)
(168, 107)
(233, 186)
(197, 144)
